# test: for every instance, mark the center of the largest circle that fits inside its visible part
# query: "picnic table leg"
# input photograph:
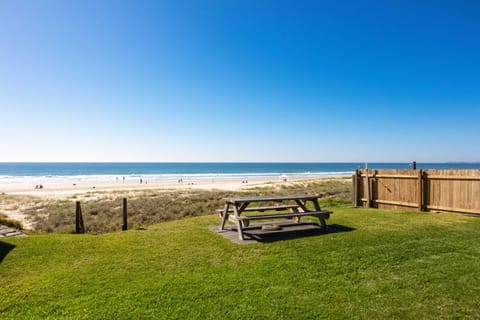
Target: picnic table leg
(224, 216)
(245, 223)
(296, 219)
(317, 208)
(302, 205)
(240, 230)
(237, 212)
(323, 223)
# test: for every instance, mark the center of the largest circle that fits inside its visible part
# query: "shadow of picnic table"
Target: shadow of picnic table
(308, 230)
(5, 249)
(288, 230)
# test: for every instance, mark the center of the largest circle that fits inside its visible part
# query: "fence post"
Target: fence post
(355, 188)
(420, 190)
(367, 178)
(79, 226)
(124, 225)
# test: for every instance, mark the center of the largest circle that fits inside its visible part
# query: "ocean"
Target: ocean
(192, 171)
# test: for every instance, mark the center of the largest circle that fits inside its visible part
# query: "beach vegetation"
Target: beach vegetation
(102, 211)
(10, 222)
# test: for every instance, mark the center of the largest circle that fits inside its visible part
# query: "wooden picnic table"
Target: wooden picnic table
(289, 207)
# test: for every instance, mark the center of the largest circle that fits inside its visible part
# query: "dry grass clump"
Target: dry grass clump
(10, 223)
(12, 207)
(340, 188)
(52, 215)
(102, 212)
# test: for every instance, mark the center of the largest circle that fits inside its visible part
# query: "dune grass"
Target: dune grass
(10, 222)
(102, 211)
(393, 265)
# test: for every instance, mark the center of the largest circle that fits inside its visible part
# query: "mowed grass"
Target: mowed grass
(392, 265)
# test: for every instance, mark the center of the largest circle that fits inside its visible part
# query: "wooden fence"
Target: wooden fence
(422, 190)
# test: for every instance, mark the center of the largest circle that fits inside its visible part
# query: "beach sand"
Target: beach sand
(59, 191)
(64, 190)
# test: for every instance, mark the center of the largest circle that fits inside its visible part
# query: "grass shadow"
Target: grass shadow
(5, 249)
(287, 231)
(308, 230)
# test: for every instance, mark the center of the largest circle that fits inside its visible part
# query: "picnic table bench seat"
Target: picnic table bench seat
(324, 214)
(245, 220)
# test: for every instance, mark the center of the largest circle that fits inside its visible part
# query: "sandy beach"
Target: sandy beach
(64, 190)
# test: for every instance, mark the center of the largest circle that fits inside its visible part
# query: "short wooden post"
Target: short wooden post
(414, 165)
(79, 226)
(420, 190)
(125, 212)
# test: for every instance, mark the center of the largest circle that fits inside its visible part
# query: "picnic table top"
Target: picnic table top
(272, 198)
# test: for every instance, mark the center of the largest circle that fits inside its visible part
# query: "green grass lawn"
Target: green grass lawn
(393, 265)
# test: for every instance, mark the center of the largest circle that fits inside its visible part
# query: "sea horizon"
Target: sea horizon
(61, 172)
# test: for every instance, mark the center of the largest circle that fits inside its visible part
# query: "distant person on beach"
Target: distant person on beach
(140, 180)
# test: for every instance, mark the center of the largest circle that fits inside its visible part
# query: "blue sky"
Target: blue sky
(239, 80)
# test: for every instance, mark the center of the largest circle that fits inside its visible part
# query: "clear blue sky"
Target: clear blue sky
(239, 80)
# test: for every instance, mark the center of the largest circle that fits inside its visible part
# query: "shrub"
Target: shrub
(11, 223)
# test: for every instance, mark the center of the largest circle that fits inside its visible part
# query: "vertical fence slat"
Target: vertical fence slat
(367, 182)
(420, 189)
